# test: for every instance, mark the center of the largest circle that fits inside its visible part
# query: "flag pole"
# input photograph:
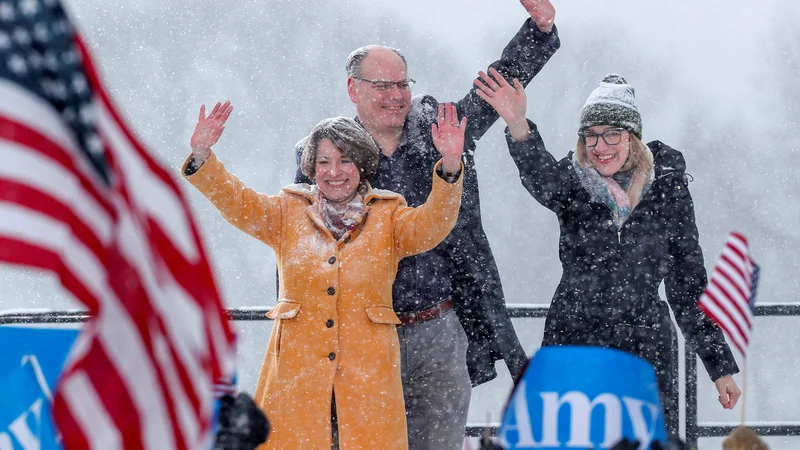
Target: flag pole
(744, 392)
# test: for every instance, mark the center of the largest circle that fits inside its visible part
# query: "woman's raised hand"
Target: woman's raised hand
(448, 137)
(509, 100)
(542, 12)
(208, 130)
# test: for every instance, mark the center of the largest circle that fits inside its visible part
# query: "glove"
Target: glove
(242, 424)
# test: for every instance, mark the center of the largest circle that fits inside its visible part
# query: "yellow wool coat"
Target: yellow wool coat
(334, 329)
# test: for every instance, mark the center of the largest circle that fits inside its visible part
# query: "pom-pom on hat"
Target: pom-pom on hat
(612, 103)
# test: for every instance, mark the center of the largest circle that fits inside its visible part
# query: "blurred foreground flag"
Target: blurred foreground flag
(583, 397)
(81, 197)
(730, 296)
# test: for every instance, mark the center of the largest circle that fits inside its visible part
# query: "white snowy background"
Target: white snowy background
(716, 79)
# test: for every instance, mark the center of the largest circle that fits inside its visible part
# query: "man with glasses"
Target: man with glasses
(454, 323)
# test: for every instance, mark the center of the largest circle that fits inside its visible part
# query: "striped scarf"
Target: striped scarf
(339, 219)
(617, 201)
(607, 190)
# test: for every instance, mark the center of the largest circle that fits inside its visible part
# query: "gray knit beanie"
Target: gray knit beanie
(612, 103)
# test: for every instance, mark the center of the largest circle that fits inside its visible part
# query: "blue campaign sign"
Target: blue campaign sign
(30, 362)
(581, 398)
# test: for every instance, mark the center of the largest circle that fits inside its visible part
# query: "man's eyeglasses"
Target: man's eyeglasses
(612, 136)
(383, 85)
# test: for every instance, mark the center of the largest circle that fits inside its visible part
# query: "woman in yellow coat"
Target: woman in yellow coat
(337, 244)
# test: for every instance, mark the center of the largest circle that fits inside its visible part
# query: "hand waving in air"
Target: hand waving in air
(542, 12)
(208, 130)
(448, 137)
(510, 101)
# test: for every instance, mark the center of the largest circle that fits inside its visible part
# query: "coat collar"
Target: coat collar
(310, 192)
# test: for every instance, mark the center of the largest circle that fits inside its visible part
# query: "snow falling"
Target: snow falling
(719, 81)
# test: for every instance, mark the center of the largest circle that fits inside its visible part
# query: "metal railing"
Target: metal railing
(694, 430)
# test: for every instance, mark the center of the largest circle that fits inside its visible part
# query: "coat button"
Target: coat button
(331, 260)
(347, 239)
(331, 356)
(331, 290)
(329, 323)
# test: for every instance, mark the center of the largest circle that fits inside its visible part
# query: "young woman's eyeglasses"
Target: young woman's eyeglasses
(612, 136)
(383, 85)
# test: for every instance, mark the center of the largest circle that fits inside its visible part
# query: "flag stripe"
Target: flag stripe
(17, 252)
(21, 106)
(123, 345)
(32, 139)
(116, 399)
(724, 275)
(27, 198)
(720, 318)
(728, 264)
(738, 303)
(729, 258)
(721, 299)
(739, 243)
(180, 314)
(87, 414)
(35, 228)
(176, 382)
(174, 315)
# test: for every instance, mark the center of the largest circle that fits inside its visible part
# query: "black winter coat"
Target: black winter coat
(477, 292)
(608, 294)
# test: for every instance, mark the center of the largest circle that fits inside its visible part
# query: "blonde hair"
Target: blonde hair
(639, 159)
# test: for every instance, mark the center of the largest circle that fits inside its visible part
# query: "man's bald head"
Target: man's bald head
(355, 61)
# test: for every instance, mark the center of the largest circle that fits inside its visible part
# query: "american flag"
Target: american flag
(730, 296)
(82, 198)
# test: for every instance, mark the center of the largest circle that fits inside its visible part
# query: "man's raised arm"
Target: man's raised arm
(523, 58)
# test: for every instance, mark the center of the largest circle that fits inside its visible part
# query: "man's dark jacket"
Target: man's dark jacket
(476, 288)
(608, 294)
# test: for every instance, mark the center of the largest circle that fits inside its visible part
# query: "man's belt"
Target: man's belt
(407, 318)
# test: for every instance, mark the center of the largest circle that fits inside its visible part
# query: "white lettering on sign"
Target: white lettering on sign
(5, 442)
(27, 438)
(581, 409)
(644, 434)
(581, 418)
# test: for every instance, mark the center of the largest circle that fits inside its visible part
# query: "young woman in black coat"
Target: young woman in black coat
(627, 224)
